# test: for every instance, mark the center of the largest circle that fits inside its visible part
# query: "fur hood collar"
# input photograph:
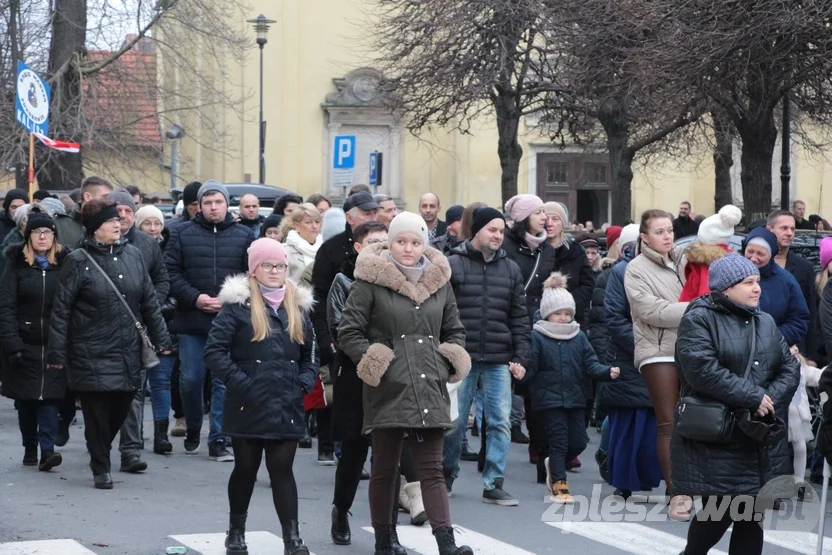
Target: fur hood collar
(236, 290)
(373, 266)
(700, 253)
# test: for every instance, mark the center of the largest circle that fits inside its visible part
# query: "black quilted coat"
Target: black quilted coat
(154, 261)
(266, 380)
(712, 352)
(492, 306)
(26, 296)
(199, 256)
(91, 333)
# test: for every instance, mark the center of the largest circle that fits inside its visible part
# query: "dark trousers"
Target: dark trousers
(323, 417)
(348, 474)
(566, 436)
(67, 408)
(280, 455)
(746, 538)
(38, 422)
(104, 413)
(427, 458)
(175, 396)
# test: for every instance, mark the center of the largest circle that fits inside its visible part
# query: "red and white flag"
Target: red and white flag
(58, 145)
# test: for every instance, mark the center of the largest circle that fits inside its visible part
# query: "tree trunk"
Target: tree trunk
(757, 154)
(69, 23)
(614, 119)
(723, 160)
(20, 173)
(508, 149)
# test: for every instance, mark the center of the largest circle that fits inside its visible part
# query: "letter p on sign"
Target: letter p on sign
(344, 152)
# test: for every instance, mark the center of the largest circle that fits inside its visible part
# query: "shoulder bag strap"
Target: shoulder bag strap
(113, 285)
(753, 347)
(534, 270)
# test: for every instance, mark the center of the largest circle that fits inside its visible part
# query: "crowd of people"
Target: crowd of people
(375, 329)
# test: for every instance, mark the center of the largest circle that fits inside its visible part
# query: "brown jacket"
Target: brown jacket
(653, 290)
(407, 341)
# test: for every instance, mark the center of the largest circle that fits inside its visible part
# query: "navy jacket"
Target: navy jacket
(492, 306)
(199, 256)
(783, 300)
(557, 370)
(629, 390)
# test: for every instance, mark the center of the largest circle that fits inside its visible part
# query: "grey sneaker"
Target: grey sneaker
(218, 452)
(498, 496)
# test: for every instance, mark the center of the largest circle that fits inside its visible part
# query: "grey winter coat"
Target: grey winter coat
(407, 341)
(712, 352)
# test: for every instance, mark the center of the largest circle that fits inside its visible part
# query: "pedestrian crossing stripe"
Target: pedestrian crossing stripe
(45, 547)
(421, 540)
(214, 544)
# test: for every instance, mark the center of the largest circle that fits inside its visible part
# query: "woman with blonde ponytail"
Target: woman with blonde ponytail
(262, 347)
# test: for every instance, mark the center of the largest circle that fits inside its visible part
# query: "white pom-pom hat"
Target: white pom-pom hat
(718, 229)
(555, 296)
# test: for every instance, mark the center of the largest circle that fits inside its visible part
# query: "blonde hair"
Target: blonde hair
(614, 250)
(821, 280)
(51, 254)
(260, 317)
(304, 210)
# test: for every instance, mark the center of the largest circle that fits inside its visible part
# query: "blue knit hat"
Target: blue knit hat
(729, 271)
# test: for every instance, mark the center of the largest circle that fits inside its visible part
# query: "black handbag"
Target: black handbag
(708, 420)
(148, 352)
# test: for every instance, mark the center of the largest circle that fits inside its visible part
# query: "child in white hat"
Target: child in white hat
(561, 357)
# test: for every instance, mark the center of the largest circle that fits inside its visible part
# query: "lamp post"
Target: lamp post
(785, 163)
(175, 133)
(261, 27)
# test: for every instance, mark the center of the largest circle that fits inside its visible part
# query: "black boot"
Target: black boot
(447, 545)
(235, 541)
(30, 456)
(397, 548)
(63, 432)
(340, 530)
(292, 544)
(161, 443)
(384, 541)
(191, 440)
(132, 463)
(49, 460)
(541, 471)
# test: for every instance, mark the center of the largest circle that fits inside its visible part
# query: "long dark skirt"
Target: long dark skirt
(633, 460)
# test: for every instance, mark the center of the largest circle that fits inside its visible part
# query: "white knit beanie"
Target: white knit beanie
(148, 211)
(628, 235)
(555, 296)
(407, 222)
(718, 229)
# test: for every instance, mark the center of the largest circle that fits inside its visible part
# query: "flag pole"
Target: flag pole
(31, 166)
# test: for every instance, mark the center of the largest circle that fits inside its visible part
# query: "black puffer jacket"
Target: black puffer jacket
(26, 296)
(629, 391)
(712, 351)
(492, 306)
(199, 256)
(571, 261)
(152, 254)
(266, 380)
(536, 265)
(328, 263)
(7, 224)
(598, 335)
(91, 333)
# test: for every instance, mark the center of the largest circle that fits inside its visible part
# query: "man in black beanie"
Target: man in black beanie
(492, 307)
(13, 199)
(453, 221)
(190, 209)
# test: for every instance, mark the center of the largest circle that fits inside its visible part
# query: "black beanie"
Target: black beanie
(272, 221)
(191, 192)
(454, 214)
(482, 216)
(15, 194)
(41, 194)
(94, 221)
(37, 220)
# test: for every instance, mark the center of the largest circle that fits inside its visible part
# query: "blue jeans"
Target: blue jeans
(38, 421)
(495, 381)
(191, 383)
(159, 379)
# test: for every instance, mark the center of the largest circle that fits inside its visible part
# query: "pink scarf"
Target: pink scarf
(535, 241)
(273, 296)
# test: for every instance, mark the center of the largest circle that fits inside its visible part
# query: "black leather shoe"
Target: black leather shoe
(517, 436)
(467, 455)
(340, 530)
(30, 456)
(235, 540)
(191, 440)
(133, 464)
(49, 460)
(292, 544)
(161, 443)
(103, 481)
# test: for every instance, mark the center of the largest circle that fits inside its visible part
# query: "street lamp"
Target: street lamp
(261, 27)
(175, 133)
(785, 163)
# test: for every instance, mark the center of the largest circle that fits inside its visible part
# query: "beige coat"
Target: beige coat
(300, 253)
(653, 290)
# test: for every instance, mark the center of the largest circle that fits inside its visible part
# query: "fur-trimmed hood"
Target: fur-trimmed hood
(374, 267)
(236, 290)
(700, 253)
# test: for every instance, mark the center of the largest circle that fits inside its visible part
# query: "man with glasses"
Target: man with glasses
(131, 442)
(201, 253)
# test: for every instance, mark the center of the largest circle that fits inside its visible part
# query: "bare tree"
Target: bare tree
(450, 62)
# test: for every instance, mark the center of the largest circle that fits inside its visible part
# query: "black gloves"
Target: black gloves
(16, 360)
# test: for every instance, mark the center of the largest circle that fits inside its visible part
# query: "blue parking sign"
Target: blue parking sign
(344, 155)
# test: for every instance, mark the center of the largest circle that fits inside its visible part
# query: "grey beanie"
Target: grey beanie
(212, 186)
(729, 271)
(123, 198)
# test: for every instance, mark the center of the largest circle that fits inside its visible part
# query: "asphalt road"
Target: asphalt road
(181, 502)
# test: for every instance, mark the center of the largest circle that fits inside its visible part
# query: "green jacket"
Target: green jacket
(70, 230)
(407, 341)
